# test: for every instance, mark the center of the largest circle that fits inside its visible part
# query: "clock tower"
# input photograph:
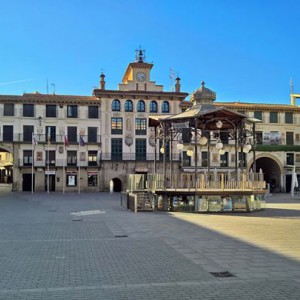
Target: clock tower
(137, 75)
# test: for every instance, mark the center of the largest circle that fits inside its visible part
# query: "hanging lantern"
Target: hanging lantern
(203, 141)
(219, 145)
(190, 152)
(219, 124)
(247, 148)
(222, 151)
(162, 150)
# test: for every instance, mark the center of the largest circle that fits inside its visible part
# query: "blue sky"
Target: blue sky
(244, 50)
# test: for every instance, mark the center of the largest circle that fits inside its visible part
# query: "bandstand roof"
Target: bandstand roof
(204, 114)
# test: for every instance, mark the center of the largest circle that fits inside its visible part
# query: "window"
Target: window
(186, 160)
(241, 112)
(141, 106)
(224, 160)
(204, 160)
(51, 111)
(28, 110)
(71, 158)
(140, 149)
(289, 118)
(116, 125)
(273, 117)
(290, 159)
(259, 137)
(72, 134)
(116, 149)
(289, 138)
(242, 159)
(92, 134)
(71, 179)
(8, 133)
(72, 111)
(50, 158)
(115, 105)
(51, 134)
(27, 133)
(9, 110)
(153, 107)
(224, 137)
(258, 115)
(92, 179)
(165, 107)
(128, 105)
(93, 112)
(92, 158)
(27, 158)
(140, 126)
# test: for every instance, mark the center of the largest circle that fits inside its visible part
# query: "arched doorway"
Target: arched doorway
(271, 171)
(115, 185)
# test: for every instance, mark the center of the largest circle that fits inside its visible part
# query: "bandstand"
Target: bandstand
(205, 136)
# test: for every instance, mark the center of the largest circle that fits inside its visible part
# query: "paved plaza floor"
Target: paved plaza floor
(85, 246)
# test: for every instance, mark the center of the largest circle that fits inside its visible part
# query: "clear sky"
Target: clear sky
(244, 50)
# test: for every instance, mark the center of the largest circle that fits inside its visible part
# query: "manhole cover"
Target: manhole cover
(121, 236)
(222, 274)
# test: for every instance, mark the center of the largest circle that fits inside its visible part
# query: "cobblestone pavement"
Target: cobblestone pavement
(85, 246)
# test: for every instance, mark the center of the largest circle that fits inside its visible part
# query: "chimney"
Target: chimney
(177, 85)
(102, 82)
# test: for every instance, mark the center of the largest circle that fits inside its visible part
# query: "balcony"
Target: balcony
(42, 139)
(134, 156)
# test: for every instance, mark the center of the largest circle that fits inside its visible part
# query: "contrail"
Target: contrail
(13, 82)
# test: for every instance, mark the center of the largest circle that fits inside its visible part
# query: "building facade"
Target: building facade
(90, 143)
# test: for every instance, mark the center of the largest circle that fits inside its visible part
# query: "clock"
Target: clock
(141, 76)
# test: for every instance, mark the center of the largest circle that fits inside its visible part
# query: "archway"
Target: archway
(6, 166)
(115, 185)
(272, 172)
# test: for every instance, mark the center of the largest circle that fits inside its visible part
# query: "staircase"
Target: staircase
(144, 202)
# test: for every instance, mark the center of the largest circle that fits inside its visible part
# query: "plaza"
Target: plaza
(86, 246)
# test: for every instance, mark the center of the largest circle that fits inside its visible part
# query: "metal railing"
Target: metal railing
(43, 138)
(251, 181)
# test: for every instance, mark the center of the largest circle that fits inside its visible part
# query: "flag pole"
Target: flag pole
(66, 144)
(79, 167)
(32, 141)
(64, 168)
(48, 161)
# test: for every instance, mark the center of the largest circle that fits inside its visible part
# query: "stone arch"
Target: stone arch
(272, 169)
(6, 164)
(115, 185)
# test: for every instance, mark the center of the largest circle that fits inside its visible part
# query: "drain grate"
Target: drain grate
(121, 235)
(222, 274)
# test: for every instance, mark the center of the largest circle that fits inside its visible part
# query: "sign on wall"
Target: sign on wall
(272, 138)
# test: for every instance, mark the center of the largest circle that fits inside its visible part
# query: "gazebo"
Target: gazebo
(208, 133)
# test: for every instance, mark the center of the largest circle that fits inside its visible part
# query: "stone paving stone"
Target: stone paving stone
(46, 255)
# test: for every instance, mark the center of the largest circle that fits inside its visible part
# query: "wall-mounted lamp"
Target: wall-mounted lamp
(40, 120)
